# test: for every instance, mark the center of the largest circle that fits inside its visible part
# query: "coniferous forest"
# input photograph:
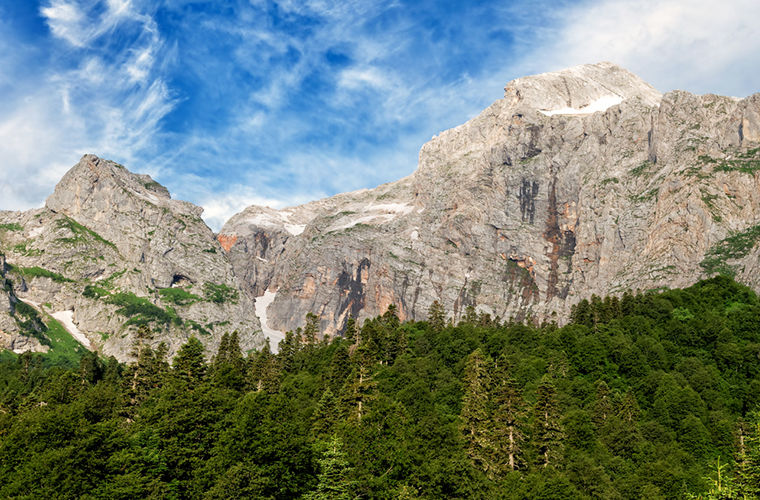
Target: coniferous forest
(650, 395)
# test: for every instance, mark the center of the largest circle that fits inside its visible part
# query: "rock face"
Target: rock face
(584, 181)
(112, 251)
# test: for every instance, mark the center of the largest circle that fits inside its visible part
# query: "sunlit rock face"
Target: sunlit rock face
(584, 181)
(116, 252)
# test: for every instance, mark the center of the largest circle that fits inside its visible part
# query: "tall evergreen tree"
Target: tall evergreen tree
(326, 415)
(748, 458)
(547, 429)
(476, 423)
(509, 412)
(436, 316)
(334, 470)
(603, 404)
(190, 364)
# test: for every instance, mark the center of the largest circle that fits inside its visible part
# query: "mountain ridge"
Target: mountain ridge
(580, 182)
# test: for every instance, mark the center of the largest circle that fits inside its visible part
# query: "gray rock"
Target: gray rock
(584, 181)
(122, 252)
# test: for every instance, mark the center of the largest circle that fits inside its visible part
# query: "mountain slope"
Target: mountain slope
(584, 181)
(111, 251)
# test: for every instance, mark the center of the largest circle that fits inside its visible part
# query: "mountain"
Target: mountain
(110, 252)
(579, 182)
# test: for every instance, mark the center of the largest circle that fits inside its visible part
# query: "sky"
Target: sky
(239, 102)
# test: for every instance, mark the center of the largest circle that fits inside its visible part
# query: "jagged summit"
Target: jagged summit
(112, 251)
(580, 90)
(578, 182)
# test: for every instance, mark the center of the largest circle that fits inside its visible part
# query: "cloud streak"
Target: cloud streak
(281, 102)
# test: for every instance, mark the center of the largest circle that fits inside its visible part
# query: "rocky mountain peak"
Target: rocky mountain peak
(92, 178)
(580, 90)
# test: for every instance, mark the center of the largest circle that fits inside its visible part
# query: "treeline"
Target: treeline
(647, 396)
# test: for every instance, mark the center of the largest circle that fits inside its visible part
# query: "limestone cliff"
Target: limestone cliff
(584, 181)
(111, 251)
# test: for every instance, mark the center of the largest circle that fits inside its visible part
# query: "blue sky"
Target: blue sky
(257, 101)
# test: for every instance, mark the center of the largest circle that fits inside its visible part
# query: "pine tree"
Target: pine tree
(748, 458)
(334, 469)
(326, 414)
(358, 392)
(476, 423)
(436, 316)
(603, 405)
(263, 372)
(470, 315)
(189, 364)
(508, 419)
(547, 429)
(350, 331)
(311, 329)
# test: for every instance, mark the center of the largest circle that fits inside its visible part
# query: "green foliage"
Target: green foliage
(746, 163)
(12, 226)
(178, 296)
(736, 246)
(641, 169)
(80, 233)
(142, 311)
(95, 292)
(38, 272)
(646, 396)
(220, 293)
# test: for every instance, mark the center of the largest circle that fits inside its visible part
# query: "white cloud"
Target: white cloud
(696, 45)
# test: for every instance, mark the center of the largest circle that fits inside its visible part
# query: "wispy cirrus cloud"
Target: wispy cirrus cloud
(279, 102)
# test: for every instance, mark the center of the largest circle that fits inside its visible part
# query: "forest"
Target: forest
(650, 395)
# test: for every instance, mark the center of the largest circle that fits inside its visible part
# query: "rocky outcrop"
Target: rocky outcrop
(584, 181)
(112, 251)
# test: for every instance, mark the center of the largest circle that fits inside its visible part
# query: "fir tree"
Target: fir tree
(436, 316)
(547, 429)
(508, 419)
(748, 458)
(476, 424)
(334, 469)
(311, 329)
(326, 414)
(603, 405)
(189, 364)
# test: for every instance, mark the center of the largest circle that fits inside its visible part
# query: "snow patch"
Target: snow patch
(67, 320)
(262, 303)
(374, 214)
(280, 220)
(295, 229)
(601, 104)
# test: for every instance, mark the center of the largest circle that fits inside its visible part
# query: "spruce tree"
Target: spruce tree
(603, 405)
(189, 364)
(311, 329)
(748, 458)
(436, 316)
(509, 412)
(476, 423)
(334, 469)
(350, 331)
(326, 414)
(547, 429)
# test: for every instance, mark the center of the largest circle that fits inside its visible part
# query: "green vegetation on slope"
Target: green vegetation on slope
(639, 397)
